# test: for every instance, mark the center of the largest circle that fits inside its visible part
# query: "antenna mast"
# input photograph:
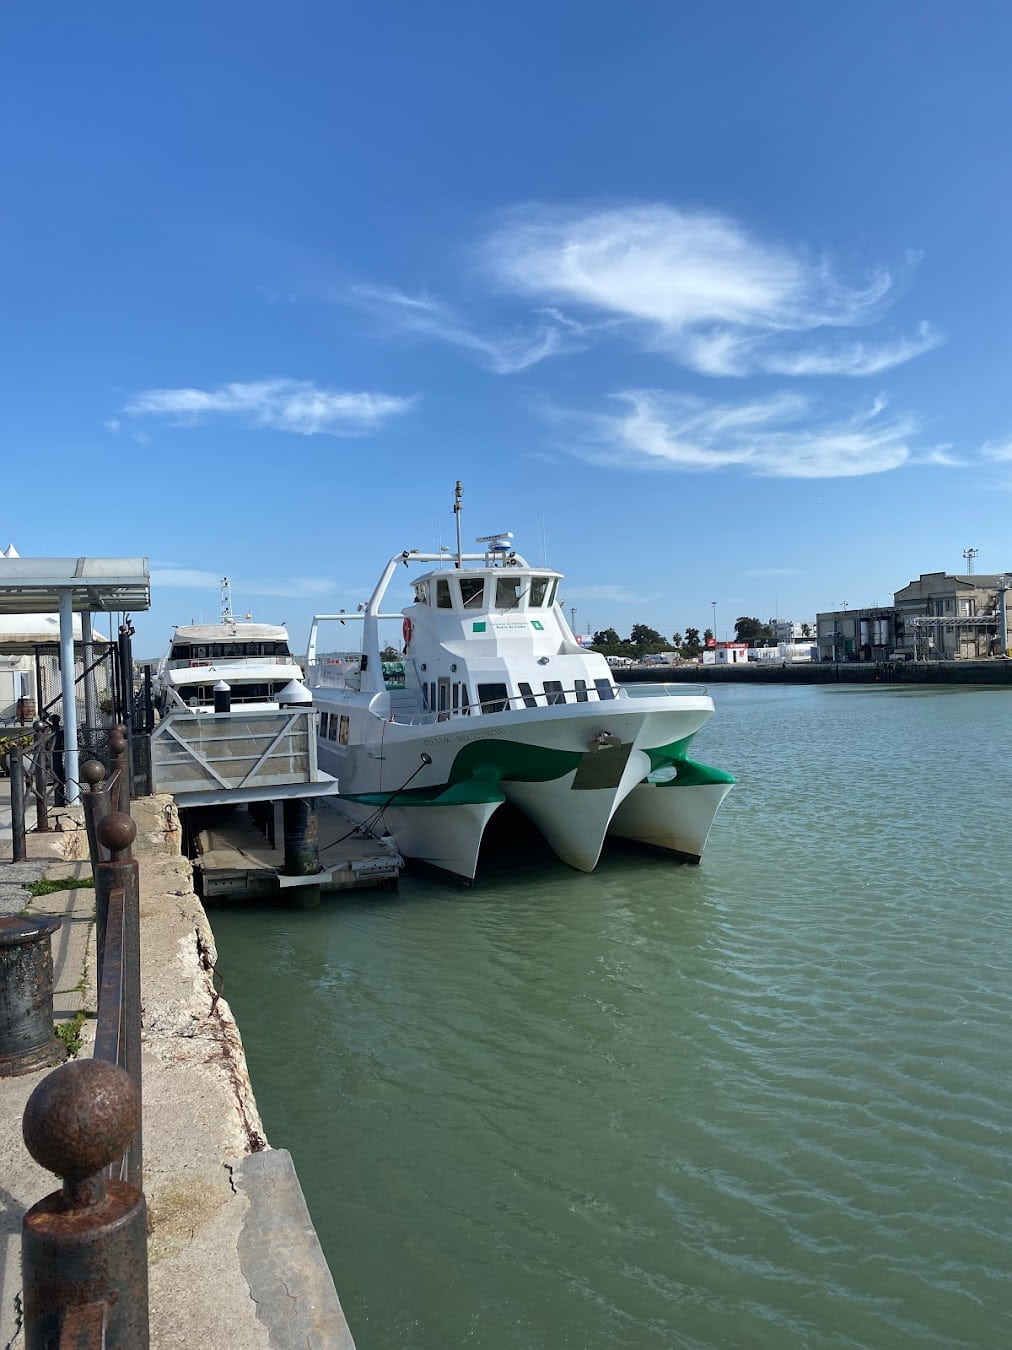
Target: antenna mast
(226, 601)
(458, 497)
(969, 554)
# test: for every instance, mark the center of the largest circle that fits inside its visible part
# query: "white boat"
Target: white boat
(493, 701)
(253, 659)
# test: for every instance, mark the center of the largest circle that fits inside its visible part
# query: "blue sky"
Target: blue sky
(702, 302)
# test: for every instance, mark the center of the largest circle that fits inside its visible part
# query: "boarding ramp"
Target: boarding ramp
(213, 759)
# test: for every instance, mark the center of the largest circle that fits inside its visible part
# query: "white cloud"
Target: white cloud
(190, 578)
(614, 594)
(284, 405)
(503, 353)
(998, 450)
(782, 436)
(698, 286)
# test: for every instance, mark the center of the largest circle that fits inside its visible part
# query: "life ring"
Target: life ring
(406, 632)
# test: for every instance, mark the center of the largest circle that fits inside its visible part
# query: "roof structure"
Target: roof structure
(96, 585)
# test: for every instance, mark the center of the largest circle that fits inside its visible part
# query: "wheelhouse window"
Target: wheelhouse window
(540, 587)
(493, 698)
(472, 592)
(581, 690)
(528, 695)
(554, 692)
(332, 728)
(443, 600)
(421, 592)
(508, 592)
(605, 689)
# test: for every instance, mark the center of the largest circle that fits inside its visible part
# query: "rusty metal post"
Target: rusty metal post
(83, 1248)
(96, 806)
(120, 769)
(27, 1042)
(17, 771)
(302, 858)
(40, 747)
(120, 875)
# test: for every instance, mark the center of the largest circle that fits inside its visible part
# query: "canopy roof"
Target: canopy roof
(34, 585)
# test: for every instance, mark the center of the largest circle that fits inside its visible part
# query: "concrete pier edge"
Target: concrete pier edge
(234, 1258)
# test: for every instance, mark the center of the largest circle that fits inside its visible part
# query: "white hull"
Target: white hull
(569, 769)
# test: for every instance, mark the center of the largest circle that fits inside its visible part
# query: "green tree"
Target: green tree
(753, 631)
(676, 641)
(693, 645)
(606, 637)
(645, 639)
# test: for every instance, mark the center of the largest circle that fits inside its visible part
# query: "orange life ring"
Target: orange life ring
(406, 631)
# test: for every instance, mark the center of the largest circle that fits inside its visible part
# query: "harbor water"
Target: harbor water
(764, 1102)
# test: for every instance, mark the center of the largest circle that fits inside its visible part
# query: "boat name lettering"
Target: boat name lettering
(467, 736)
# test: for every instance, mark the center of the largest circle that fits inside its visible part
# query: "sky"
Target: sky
(708, 304)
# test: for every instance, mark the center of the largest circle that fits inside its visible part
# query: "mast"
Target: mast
(458, 497)
(226, 601)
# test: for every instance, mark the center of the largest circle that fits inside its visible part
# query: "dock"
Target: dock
(237, 860)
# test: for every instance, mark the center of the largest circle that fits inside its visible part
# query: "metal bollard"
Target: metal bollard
(120, 767)
(39, 752)
(27, 1042)
(17, 772)
(96, 805)
(222, 697)
(83, 1248)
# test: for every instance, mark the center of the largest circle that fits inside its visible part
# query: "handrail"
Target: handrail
(84, 1248)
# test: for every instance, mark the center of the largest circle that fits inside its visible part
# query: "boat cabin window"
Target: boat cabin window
(508, 592)
(540, 587)
(528, 695)
(493, 697)
(553, 692)
(421, 592)
(443, 600)
(581, 690)
(605, 689)
(321, 724)
(332, 729)
(472, 592)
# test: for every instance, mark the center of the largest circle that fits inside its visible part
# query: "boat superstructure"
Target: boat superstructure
(493, 700)
(253, 659)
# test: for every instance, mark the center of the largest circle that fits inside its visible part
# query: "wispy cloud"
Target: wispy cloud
(784, 436)
(284, 405)
(616, 594)
(699, 287)
(189, 578)
(504, 353)
(1001, 451)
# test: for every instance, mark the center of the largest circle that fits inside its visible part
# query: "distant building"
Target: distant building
(784, 652)
(787, 630)
(726, 654)
(856, 634)
(944, 616)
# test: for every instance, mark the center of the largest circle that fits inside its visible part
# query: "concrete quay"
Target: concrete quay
(233, 1257)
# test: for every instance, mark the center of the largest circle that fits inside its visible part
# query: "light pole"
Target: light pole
(713, 622)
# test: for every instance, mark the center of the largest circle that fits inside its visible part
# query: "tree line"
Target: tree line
(644, 641)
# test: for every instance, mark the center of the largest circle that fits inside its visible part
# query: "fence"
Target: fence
(84, 1247)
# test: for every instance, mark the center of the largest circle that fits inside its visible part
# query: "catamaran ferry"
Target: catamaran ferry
(493, 701)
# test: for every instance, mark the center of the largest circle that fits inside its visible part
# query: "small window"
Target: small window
(508, 591)
(421, 592)
(553, 692)
(343, 736)
(527, 694)
(581, 690)
(539, 590)
(332, 729)
(555, 587)
(456, 697)
(605, 689)
(472, 592)
(443, 600)
(321, 724)
(463, 699)
(493, 698)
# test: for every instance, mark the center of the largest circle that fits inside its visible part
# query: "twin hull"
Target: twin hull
(578, 771)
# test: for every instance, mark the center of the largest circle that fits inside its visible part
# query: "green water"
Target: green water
(762, 1102)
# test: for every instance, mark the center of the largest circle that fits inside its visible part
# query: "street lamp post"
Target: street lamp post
(713, 622)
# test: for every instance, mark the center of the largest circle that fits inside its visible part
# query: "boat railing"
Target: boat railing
(507, 703)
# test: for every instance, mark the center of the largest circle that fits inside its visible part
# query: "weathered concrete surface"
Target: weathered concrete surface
(230, 1234)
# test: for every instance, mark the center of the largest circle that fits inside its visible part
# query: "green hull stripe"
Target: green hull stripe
(480, 768)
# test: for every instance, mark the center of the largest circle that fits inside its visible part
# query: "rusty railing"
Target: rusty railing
(84, 1247)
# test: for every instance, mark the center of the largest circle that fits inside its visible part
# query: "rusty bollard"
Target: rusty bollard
(27, 1042)
(83, 1248)
(96, 804)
